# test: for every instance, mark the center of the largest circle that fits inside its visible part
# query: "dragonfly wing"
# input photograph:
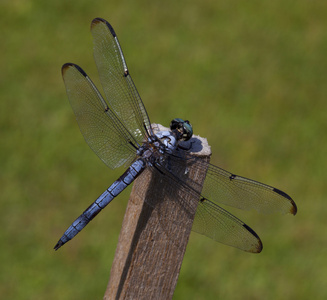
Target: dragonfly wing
(101, 128)
(214, 222)
(224, 187)
(210, 219)
(116, 81)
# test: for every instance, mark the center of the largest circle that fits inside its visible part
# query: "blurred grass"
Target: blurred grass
(250, 76)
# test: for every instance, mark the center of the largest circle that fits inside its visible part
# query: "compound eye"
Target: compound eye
(183, 127)
(187, 130)
(176, 124)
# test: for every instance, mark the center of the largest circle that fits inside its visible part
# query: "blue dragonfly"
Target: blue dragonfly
(118, 130)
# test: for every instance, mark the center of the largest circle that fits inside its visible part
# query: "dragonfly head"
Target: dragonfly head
(183, 129)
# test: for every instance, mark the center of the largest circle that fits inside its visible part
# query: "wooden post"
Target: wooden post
(154, 236)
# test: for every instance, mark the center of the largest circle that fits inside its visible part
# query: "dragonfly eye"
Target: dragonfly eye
(183, 128)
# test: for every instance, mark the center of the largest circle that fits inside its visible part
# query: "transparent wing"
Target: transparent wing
(221, 186)
(210, 219)
(224, 187)
(116, 81)
(101, 128)
(218, 224)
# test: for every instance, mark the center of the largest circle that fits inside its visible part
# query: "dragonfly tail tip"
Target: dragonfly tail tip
(58, 245)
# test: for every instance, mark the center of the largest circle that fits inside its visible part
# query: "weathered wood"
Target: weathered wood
(154, 236)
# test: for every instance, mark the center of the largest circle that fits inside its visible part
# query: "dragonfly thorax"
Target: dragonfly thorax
(153, 150)
(167, 140)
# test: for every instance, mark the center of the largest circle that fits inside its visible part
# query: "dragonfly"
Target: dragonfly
(117, 128)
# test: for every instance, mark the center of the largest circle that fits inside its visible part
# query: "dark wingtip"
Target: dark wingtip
(282, 193)
(257, 248)
(96, 21)
(58, 245)
(66, 66)
(293, 209)
(260, 246)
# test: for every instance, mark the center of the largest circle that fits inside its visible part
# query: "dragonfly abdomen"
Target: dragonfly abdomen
(116, 188)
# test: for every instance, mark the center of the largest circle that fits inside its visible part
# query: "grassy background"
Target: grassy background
(251, 77)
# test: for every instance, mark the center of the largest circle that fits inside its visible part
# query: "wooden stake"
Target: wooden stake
(154, 235)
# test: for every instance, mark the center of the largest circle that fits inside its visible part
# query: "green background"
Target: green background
(249, 75)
